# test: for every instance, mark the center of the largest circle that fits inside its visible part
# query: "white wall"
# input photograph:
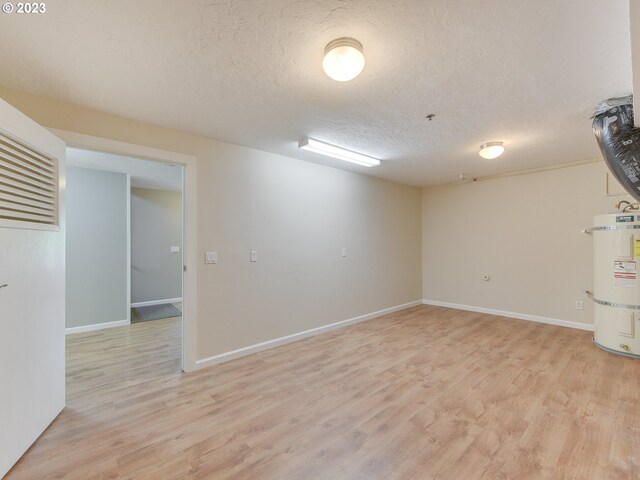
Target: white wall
(298, 216)
(524, 231)
(96, 247)
(156, 226)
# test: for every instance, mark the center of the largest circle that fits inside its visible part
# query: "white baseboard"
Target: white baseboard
(519, 316)
(258, 347)
(97, 326)
(156, 302)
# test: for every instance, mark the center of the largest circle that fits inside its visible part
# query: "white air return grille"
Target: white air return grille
(28, 185)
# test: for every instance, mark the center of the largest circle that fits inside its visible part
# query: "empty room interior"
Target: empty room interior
(342, 240)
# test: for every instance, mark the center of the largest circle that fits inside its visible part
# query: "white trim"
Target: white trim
(96, 326)
(129, 248)
(520, 316)
(258, 347)
(156, 302)
(101, 144)
(190, 218)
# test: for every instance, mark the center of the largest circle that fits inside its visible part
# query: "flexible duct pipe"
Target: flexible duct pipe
(619, 141)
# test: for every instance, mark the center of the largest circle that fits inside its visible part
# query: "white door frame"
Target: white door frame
(190, 246)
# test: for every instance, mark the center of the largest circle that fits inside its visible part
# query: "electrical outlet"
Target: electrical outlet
(210, 257)
(579, 305)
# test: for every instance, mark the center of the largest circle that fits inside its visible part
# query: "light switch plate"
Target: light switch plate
(344, 251)
(253, 256)
(211, 257)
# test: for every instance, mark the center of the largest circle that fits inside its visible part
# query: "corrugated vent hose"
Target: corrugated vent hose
(619, 141)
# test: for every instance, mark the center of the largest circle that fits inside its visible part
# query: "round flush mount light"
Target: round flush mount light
(343, 59)
(491, 150)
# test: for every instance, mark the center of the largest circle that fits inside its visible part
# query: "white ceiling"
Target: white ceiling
(249, 72)
(144, 173)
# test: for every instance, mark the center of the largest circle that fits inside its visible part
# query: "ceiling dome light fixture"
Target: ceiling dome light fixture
(343, 59)
(491, 150)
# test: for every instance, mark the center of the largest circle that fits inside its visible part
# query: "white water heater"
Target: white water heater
(616, 292)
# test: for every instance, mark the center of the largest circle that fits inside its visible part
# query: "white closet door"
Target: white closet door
(32, 363)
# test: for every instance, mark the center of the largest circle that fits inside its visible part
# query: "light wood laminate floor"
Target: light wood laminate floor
(426, 393)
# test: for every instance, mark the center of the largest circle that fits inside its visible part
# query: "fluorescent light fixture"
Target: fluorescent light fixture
(337, 152)
(343, 59)
(491, 150)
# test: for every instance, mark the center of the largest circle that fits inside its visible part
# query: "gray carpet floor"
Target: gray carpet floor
(154, 312)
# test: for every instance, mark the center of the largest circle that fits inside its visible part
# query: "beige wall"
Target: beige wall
(523, 231)
(298, 216)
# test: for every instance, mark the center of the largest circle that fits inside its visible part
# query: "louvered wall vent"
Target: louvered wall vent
(28, 185)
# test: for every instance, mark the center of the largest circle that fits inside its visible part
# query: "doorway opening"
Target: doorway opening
(124, 261)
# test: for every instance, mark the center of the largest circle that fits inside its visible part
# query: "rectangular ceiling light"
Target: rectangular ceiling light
(337, 152)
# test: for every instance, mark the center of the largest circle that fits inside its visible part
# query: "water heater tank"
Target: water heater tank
(616, 292)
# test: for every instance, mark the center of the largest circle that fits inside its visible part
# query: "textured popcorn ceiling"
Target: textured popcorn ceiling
(527, 72)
